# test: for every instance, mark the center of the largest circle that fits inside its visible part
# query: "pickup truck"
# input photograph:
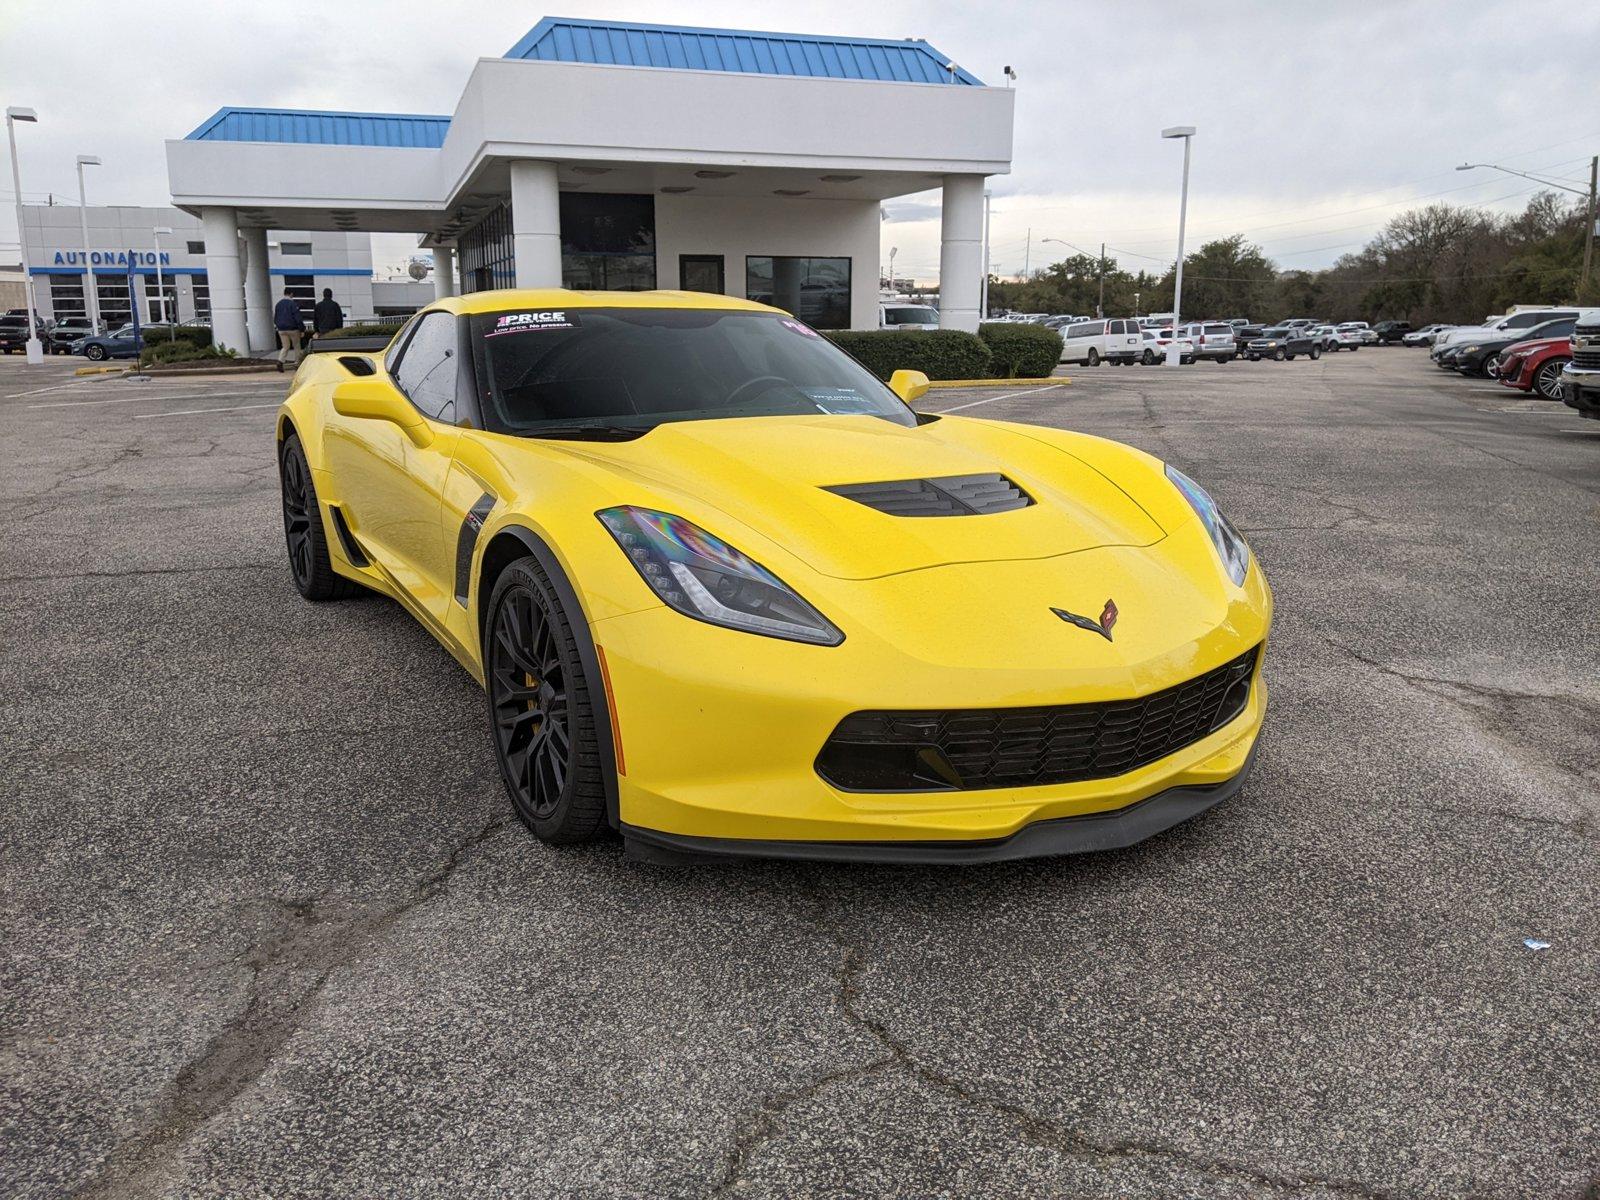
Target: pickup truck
(1580, 381)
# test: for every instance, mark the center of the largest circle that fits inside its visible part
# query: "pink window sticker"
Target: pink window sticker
(799, 327)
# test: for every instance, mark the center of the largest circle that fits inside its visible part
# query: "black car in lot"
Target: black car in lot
(14, 332)
(1477, 357)
(1390, 332)
(1283, 342)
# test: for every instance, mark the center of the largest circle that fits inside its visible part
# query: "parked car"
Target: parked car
(1089, 342)
(1283, 342)
(1535, 366)
(1477, 357)
(1348, 337)
(1213, 340)
(1298, 323)
(1580, 380)
(1327, 337)
(1423, 336)
(1512, 323)
(14, 332)
(907, 316)
(1155, 343)
(1364, 336)
(1390, 332)
(120, 343)
(66, 331)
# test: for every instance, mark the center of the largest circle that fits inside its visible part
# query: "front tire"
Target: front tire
(1547, 380)
(1315, 353)
(303, 532)
(92, 353)
(541, 710)
(1277, 356)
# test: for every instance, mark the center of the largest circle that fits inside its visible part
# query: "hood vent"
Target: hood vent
(951, 496)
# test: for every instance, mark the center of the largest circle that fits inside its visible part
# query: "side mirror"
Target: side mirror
(908, 385)
(377, 400)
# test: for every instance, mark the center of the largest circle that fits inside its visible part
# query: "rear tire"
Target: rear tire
(303, 531)
(541, 710)
(1094, 357)
(1149, 359)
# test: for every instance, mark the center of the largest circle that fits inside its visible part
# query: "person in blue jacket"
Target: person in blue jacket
(291, 328)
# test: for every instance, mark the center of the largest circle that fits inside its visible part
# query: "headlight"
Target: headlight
(703, 577)
(1229, 542)
(1469, 349)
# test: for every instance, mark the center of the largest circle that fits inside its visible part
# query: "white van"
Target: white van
(1088, 342)
(907, 316)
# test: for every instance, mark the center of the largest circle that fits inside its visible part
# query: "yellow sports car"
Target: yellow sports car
(728, 594)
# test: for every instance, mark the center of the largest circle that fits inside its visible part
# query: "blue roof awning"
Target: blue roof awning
(322, 128)
(746, 51)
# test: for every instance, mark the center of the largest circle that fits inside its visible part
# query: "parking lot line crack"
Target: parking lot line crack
(1044, 1132)
(286, 972)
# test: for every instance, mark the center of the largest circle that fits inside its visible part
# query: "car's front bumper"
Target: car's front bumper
(720, 731)
(1580, 389)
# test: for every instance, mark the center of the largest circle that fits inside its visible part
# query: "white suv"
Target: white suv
(907, 316)
(1212, 339)
(1090, 342)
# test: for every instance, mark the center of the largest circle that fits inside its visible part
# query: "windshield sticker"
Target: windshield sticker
(839, 401)
(799, 327)
(524, 321)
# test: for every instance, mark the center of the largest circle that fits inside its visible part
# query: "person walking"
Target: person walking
(291, 328)
(328, 315)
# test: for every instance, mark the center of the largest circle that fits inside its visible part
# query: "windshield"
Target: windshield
(636, 368)
(910, 316)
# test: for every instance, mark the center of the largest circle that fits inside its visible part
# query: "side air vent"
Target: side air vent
(951, 496)
(352, 548)
(357, 365)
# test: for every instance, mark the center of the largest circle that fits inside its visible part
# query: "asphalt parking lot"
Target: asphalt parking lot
(270, 928)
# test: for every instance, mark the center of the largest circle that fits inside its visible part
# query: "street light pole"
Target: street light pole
(35, 348)
(91, 294)
(1186, 132)
(1100, 307)
(161, 283)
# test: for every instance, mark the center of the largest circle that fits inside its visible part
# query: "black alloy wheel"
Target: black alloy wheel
(539, 705)
(93, 353)
(1547, 380)
(303, 532)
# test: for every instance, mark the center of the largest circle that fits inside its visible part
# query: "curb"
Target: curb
(996, 383)
(98, 370)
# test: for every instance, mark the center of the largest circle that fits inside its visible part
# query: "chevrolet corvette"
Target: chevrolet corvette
(729, 594)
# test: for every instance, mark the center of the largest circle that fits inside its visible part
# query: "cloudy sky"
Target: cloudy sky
(1317, 121)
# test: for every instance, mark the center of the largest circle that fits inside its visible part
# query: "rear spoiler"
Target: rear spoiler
(349, 345)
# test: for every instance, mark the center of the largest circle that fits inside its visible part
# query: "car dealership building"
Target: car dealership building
(622, 156)
(169, 279)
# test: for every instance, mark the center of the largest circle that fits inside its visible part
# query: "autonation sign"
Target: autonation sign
(111, 258)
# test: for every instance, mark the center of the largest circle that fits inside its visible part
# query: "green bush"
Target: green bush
(194, 335)
(1021, 351)
(370, 329)
(937, 353)
(180, 351)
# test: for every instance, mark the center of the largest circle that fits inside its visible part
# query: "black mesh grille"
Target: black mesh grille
(1589, 359)
(951, 496)
(961, 749)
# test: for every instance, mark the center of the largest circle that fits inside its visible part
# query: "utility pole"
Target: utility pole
(1100, 308)
(1593, 215)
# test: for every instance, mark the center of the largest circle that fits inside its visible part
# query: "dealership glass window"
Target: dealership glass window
(488, 252)
(112, 291)
(66, 296)
(158, 307)
(303, 290)
(295, 249)
(200, 286)
(608, 241)
(817, 290)
(196, 247)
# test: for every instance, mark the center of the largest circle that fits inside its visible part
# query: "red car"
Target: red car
(1536, 366)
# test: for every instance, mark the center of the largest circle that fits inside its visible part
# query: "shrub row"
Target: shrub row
(370, 329)
(1020, 351)
(938, 353)
(1000, 350)
(179, 351)
(194, 335)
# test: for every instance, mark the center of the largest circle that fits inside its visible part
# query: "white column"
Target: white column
(258, 297)
(536, 223)
(961, 253)
(224, 278)
(444, 272)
